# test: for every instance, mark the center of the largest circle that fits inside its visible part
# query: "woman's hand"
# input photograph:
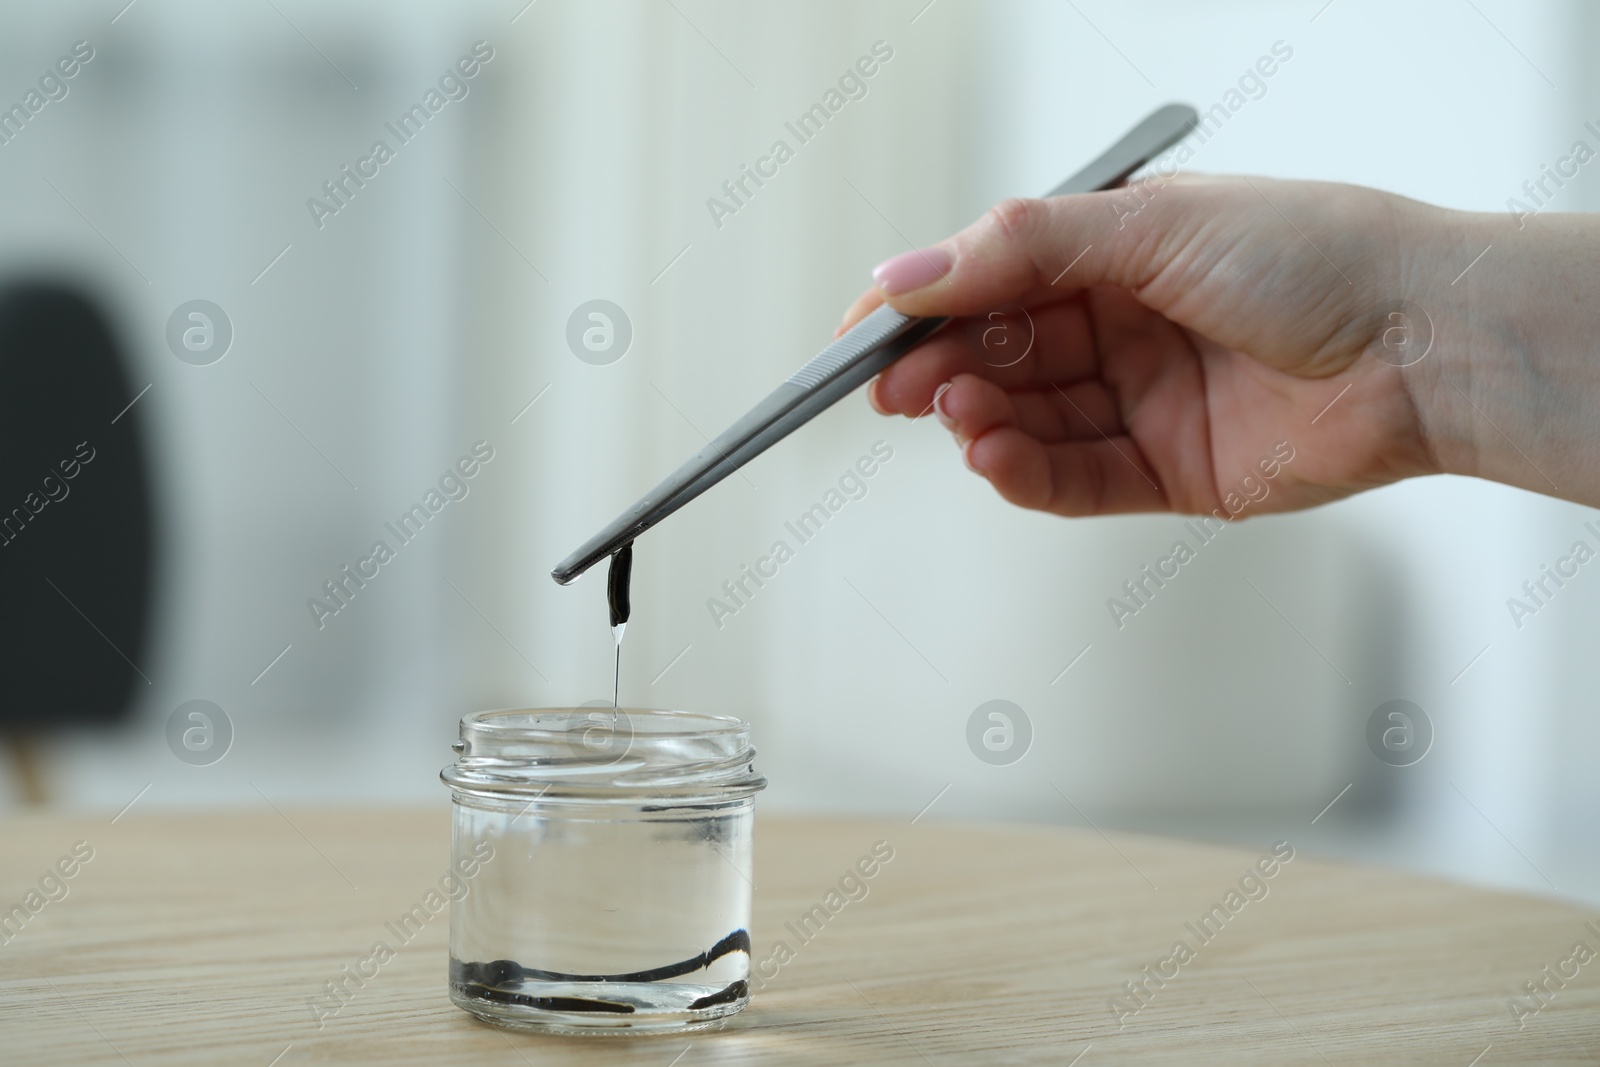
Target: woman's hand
(1184, 331)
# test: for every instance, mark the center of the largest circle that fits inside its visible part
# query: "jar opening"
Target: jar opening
(594, 750)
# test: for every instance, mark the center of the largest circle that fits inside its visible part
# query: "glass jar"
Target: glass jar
(611, 860)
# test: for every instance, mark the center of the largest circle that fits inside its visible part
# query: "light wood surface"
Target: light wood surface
(198, 940)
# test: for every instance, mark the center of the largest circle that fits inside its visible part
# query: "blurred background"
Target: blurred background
(343, 361)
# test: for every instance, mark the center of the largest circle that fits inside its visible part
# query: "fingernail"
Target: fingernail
(966, 457)
(874, 399)
(911, 270)
(938, 408)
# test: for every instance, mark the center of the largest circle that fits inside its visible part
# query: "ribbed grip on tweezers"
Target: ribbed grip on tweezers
(869, 333)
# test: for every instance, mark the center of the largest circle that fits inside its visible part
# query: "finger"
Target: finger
(1083, 411)
(971, 406)
(1101, 477)
(864, 305)
(1062, 349)
(1022, 250)
(1155, 377)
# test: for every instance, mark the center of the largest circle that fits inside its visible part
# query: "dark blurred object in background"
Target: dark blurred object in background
(75, 519)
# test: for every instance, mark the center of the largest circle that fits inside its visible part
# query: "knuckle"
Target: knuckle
(1014, 218)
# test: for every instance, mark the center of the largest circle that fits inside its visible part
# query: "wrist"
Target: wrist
(1503, 392)
(1461, 354)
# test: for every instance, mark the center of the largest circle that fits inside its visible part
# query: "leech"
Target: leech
(738, 989)
(617, 581)
(733, 992)
(504, 972)
(553, 1003)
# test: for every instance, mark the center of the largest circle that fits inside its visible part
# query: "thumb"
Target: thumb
(1025, 251)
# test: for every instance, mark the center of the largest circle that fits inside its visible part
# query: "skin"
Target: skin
(1213, 317)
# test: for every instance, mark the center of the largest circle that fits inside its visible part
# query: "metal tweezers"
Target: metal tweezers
(867, 348)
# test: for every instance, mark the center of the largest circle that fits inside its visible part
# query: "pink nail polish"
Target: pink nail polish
(938, 408)
(911, 270)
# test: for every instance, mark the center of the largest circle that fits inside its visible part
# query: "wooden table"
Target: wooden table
(198, 939)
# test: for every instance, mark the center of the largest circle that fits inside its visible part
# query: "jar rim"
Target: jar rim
(597, 750)
(725, 725)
